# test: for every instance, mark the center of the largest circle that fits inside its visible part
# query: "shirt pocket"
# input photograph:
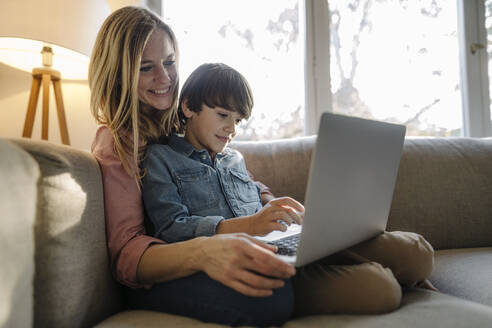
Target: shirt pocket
(196, 189)
(244, 188)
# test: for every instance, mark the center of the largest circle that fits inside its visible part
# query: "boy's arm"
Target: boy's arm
(164, 207)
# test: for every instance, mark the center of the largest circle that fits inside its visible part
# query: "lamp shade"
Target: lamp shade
(68, 27)
(66, 23)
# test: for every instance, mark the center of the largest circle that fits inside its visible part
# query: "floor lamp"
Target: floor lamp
(43, 76)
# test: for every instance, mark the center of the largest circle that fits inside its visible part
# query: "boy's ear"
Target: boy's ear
(188, 113)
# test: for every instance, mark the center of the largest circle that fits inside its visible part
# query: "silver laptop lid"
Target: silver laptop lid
(351, 182)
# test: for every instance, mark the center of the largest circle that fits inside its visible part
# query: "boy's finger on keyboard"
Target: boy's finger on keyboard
(285, 217)
(295, 217)
(278, 226)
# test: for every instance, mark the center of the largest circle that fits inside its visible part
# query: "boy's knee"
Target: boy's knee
(419, 255)
(366, 288)
(383, 291)
(426, 265)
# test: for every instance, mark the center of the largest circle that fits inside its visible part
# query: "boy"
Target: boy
(197, 186)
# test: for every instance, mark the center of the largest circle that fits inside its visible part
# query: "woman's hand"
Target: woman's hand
(277, 214)
(243, 263)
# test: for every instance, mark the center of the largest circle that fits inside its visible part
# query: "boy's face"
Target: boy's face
(211, 128)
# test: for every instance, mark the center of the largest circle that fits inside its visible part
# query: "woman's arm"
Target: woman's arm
(125, 231)
(236, 260)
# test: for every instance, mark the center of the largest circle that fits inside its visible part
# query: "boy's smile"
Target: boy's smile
(211, 128)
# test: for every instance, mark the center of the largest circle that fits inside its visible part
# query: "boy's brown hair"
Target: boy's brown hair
(216, 85)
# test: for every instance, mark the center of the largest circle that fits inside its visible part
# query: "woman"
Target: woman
(134, 86)
(229, 279)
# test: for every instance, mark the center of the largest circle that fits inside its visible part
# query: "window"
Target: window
(397, 61)
(402, 61)
(261, 40)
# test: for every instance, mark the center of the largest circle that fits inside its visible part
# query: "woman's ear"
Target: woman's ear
(188, 113)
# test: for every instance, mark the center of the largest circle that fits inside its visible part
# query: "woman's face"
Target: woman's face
(158, 72)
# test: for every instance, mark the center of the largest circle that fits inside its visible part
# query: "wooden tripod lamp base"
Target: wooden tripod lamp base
(44, 76)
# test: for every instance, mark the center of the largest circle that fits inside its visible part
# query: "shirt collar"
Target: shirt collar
(180, 145)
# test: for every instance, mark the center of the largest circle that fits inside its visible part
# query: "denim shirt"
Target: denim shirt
(185, 195)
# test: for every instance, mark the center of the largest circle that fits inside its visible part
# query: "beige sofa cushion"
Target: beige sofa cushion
(73, 285)
(19, 175)
(443, 191)
(419, 308)
(282, 165)
(465, 273)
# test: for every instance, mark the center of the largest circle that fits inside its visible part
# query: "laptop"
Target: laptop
(349, 191)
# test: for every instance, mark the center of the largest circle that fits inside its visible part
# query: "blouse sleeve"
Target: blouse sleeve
(125, 230)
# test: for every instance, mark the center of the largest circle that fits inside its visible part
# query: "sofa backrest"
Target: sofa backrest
(282, 165)
(443, 190)
(73, 285)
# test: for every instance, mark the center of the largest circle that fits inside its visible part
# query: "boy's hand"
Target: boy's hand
(275, 215)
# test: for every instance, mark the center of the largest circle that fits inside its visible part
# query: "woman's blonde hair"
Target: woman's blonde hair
(113, 79)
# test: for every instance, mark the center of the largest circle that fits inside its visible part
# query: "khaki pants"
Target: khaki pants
(366, 278)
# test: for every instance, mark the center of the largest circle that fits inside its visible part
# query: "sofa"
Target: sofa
(55, 269)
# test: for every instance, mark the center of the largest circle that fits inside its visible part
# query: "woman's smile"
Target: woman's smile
(160, 92)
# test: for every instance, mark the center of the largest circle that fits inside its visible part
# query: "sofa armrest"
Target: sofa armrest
(19, 174)
(73, 285)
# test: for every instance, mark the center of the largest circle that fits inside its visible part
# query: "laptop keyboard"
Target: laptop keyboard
(287, 245)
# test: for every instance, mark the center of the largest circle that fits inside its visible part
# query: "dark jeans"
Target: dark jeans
(203, 298)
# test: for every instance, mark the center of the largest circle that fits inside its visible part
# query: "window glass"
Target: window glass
(397, 61)
(258, 38)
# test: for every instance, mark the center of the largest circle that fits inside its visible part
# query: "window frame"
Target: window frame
(474, 69)
(318, 98)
